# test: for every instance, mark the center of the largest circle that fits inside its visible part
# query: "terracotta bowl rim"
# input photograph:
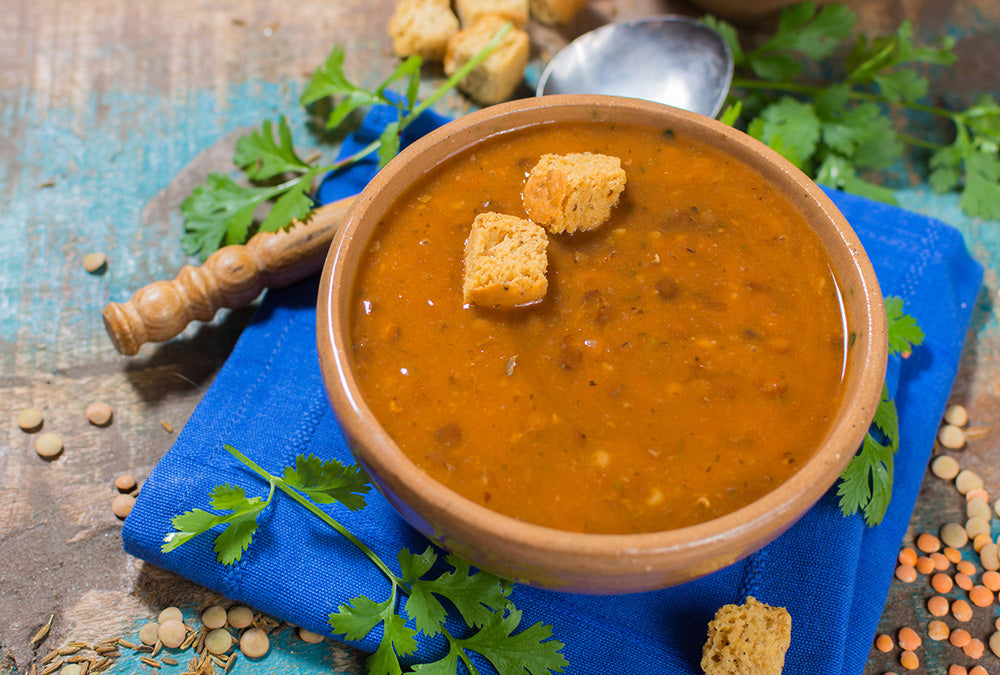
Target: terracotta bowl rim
(798, 493)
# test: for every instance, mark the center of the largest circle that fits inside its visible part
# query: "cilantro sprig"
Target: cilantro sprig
(223, 210)
(866, 483)
(840, 125)
(490, 623)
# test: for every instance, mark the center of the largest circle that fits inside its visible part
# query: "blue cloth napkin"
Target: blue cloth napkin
(831, 573)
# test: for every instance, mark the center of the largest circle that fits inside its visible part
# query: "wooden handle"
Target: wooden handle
(231, 277)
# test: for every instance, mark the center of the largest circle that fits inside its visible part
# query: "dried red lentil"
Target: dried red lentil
(959, 637)
(884, 643)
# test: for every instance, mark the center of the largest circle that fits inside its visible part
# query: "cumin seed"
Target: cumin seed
(43, 631)
(52, 667)
(168, 660)
(152, 663)
(125, 643)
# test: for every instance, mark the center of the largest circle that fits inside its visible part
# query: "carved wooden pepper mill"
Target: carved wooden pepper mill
(231, 277)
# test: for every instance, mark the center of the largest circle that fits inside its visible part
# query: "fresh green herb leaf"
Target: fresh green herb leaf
(904, 333)
(328, 481)
(219, 212)
(238, 527)
(866, 483)
(854, 100)
(262, 158)
(481, 599)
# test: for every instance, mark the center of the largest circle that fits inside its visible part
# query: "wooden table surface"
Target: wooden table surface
(111, 111)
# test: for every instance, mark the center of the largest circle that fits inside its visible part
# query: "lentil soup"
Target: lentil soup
(686, 359)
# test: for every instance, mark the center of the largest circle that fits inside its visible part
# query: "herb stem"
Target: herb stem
(316, 511)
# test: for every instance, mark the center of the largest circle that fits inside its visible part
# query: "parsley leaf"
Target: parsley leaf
(481, 599)
(866, 482)
(790, 127)
(262, 158)
(238, 526)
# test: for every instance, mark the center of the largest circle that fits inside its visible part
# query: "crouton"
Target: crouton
(747, 639)
(566, 193)
(515, 11)
(496, 78)
(422, 28)
(505, 262)
(554, 12)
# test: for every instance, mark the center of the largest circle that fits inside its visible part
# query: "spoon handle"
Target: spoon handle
(231, 277)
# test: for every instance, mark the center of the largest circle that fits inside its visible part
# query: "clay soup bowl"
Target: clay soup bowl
(598, 563)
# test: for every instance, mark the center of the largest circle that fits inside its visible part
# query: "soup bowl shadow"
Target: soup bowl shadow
(574, 561)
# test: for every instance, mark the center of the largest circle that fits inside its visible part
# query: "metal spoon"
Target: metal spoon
(667, 59)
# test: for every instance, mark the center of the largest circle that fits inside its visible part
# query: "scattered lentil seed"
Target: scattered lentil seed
(907, 556)
(940, 560)
(966, 567)
(954, 536)
(925, 565)
(955, 669)
(976, 526)
(909, 660)
(214, 617)
(95, 262)
(908, 639)
(218, 641)
(928, 543)
(938, 630)
(995, 643)
(956, 415)
(945, 466)
(906, 574)
(941, 583)
(981, 596)
(30, 419)
(170, 613)
(974, 649)
(963, 581)
(883, 643)
(951, 437)
(952, 553)
(981, 540)
(978, 508)
(978, 493)
(167, 427)
(989, 556)
(122, 505)
(937, 605)
(98, 413)
(125, 482)
(991, 579)
(961, 610)
(172, 632)
(978, 670)
(966, 480)
(254, 643)
(959, 637)
(309, 636)
(48, 445)
(70, 669)
(149, 632)
(240, 616)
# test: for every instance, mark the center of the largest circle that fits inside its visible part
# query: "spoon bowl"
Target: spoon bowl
(667, 59)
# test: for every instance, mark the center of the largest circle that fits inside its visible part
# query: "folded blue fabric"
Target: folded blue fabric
(831, 573)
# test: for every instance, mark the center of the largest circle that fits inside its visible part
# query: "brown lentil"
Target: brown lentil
(240, 616)
(169, 613)
(125, 482)
(976, 526)
(989, 556)
(945, 466)
(172, 632)
(956, 415)
(30, 419)
(978, 508)
(98, 413)
(938, 630)
(122, 505)
(214, 617)
(954, 536)
(309, 636)
(966, 480)
(95, 262)
(951, 437)
(995, 643)
(978, 493)
(48, 445)
(254, 643)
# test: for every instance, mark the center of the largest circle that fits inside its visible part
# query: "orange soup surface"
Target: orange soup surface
(686, 359)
